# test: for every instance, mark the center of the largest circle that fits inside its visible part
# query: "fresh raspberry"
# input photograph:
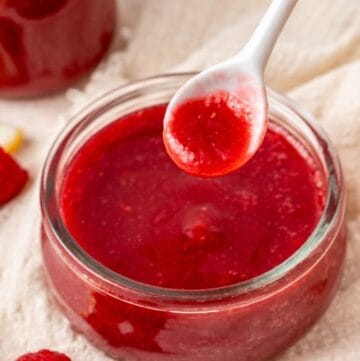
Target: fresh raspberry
(12, 177)
(44, 355)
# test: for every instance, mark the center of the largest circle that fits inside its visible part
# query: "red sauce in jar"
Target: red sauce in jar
(133, 210)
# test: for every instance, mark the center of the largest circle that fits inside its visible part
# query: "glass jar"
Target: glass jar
(250, 321)
(45, 44)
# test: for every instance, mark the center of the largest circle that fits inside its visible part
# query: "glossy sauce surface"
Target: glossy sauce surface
(209, 136)
(132, 209)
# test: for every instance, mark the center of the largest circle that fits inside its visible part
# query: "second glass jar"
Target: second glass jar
(45, 44)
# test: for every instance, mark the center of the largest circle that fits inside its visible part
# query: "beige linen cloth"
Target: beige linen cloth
(316, 61)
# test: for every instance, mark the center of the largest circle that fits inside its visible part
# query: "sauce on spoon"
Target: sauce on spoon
(209, 136)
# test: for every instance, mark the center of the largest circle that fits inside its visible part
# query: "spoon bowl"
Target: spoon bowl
(245, 96)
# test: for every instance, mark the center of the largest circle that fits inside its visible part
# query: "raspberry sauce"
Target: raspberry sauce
(133, 210)
(209, 136)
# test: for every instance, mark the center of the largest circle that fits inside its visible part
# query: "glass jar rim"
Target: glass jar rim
(51, 215)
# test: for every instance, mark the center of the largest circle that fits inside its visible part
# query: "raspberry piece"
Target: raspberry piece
(12, 177)
(44, 355)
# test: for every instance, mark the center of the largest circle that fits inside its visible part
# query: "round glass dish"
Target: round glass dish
(45, 44)
(251, 320)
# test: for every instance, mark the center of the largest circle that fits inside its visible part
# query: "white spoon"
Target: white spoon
(240, 78)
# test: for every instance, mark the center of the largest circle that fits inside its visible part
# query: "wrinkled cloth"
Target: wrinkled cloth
(316, 62)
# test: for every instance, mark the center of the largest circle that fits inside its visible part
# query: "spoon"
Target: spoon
(217, 120)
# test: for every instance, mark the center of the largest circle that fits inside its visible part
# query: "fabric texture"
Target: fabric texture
(316, 62)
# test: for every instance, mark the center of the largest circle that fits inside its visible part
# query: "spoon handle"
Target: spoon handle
(261, 43)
